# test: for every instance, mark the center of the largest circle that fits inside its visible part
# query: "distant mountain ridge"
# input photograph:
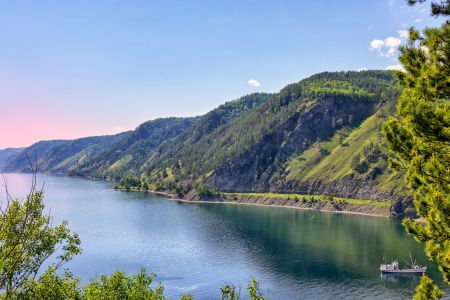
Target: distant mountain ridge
(8, 154)
(321, 135)
(88, 156)
(124, 154)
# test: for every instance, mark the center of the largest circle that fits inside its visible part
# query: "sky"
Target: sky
(71, 69)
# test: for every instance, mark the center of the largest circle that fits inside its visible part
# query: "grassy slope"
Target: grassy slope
(299, 167)
(336, 158)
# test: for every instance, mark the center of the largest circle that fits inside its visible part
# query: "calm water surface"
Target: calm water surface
(197, 248)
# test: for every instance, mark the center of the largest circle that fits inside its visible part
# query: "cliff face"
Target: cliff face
(254, 169)
(346, 188)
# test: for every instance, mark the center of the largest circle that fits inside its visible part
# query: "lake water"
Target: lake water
(197, 248)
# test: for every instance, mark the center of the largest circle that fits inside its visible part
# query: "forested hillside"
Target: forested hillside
(116, 156)
(59, 156)
(318, 136)
(100, 155)
(321, 135)
(128, 154)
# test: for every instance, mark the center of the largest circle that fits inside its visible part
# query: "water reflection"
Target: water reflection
(397, 277)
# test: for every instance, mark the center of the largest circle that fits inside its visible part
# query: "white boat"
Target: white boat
(393, 268)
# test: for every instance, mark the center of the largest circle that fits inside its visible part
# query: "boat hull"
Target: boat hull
(415, 271)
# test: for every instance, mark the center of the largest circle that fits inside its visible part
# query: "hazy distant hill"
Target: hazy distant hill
(112, 157)
(321, 135)
(58, 156)
(8, 154)
(92, 156)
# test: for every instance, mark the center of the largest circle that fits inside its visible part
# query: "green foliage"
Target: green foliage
(172, 187)
(309, 198)
(204, 190)
(438, 8)
(185, 155)
(354, 153)
(195, 157)
(51, 286)
(126, 156)
(27, 240)
(426, 290)
(129, 182)
(258, 137)
(362, 167)
(119, 285)
(112, 157)
(301, 167)
(420, 139)
(330, 88)
(254, 290)
(229, 292)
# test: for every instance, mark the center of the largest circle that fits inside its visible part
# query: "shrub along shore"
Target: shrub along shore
(294, 201)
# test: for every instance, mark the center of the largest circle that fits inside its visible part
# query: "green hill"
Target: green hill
(109, 156)
(319, 136)
(126, 155)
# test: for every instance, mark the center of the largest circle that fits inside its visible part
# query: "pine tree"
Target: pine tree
(441, 8)
(420, 140)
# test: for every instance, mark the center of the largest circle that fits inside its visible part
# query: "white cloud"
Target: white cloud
(388, 46)
(376, 44)
(398, 67)
(418, 20)
(392, 42)
(403, 34)
(391, 2)
(254, 83)
(361, 69)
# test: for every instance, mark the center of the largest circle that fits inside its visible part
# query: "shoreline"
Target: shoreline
(246, 199)
(195, 201)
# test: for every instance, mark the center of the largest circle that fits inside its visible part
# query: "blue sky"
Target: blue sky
(79, 68)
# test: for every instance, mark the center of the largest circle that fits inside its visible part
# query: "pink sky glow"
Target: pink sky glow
(25, 128)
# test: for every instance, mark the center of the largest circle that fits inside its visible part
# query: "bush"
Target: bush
(129, 182)
(50, 286)
(119, 285)
(206, 191)
(362, 167)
